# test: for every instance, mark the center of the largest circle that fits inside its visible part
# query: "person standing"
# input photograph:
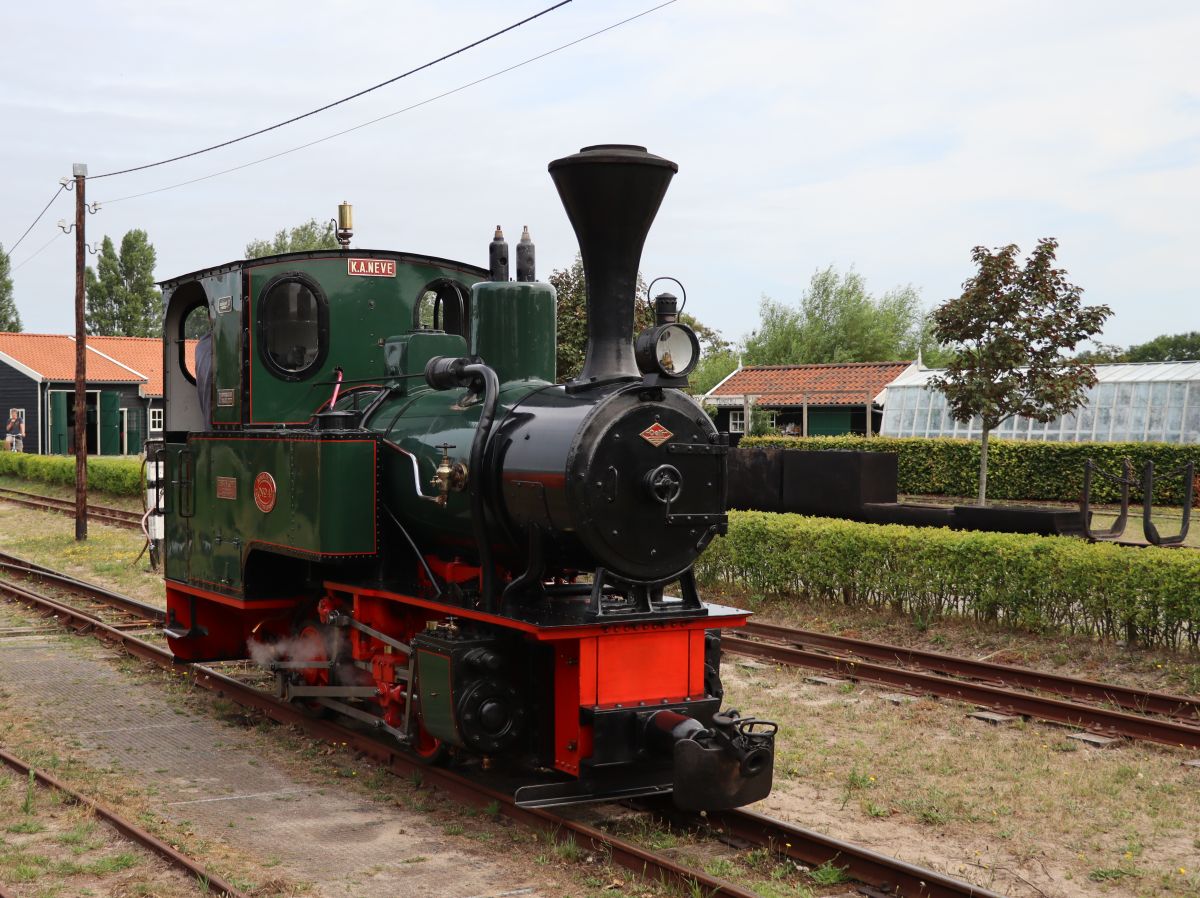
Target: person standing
(204, 381)
(14, 433)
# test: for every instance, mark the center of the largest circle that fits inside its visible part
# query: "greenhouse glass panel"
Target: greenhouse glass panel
(1137, 419)
(1191, 421)
(1087, 417)
(1156, 421)
(946, 424)
(891, 418)
(1174, 417)
(1158, 393)
(1178, 391)
(1069, 423)
(1121, 408)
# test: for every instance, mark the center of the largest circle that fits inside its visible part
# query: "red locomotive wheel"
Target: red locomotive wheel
(429, 749)
(311, 644)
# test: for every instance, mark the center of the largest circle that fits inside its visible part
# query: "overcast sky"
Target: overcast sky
(889, 136)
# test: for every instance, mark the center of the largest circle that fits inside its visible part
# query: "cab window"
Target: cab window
(443, 305)
(293, 326)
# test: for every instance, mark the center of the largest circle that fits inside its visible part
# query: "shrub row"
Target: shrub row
(1017, 469)
(1042, 583)
(119, 476)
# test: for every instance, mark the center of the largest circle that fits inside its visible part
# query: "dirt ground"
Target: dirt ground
(1021, 808)
(45, 839)
(277, 813)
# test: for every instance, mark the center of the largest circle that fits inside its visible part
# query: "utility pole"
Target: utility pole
(79, 170)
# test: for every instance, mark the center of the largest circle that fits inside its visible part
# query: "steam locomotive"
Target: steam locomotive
(383, 496)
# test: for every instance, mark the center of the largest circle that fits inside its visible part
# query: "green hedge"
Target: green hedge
(1043, 583)
(119, 476)
(1017, 469)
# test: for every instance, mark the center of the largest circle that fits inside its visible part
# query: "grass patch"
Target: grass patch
(27, 827)
(828, 874)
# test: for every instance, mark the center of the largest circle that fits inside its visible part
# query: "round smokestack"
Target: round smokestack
(611, 193)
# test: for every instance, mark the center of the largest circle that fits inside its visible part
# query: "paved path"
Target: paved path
(209, 774)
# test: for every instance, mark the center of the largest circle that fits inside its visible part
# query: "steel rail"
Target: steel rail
(622, 852)
(26, 569)
(871, 868)
(814, 849)
(1143, 701)
(116, 516)
(1090, 717)
(214, 884)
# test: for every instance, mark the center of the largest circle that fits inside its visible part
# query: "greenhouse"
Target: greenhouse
(1150, 402)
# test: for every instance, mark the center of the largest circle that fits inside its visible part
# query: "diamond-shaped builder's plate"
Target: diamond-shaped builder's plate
(656, 434)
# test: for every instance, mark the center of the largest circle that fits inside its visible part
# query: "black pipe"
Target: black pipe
(412, 545)
(483, 430)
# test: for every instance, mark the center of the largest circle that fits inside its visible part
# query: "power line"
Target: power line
(39, 251)
(381, 118)
(327, 106)
(11, 249)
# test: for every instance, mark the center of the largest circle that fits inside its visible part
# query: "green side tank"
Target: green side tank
(513, 331)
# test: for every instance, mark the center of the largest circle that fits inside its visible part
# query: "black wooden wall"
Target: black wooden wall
(18, 390)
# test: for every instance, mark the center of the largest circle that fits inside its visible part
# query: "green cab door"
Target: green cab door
(110, 423)
(58, 423)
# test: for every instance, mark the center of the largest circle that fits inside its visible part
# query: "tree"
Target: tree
(302, 238)
(1101, 353)
(712, 368)
(838, 320)
(571, 320)
(122, 299)
(10, 318)
(1009, 329)
(1166, 348)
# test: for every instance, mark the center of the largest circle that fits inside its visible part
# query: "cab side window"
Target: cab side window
(293, 326)
(443, 305)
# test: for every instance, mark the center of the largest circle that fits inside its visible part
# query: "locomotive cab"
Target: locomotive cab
(382, 494)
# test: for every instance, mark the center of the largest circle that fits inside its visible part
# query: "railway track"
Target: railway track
(1138, 714)
(118, 517)
(875, 871)
(212, 883)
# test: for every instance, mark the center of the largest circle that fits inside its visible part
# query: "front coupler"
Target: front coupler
(725, 765)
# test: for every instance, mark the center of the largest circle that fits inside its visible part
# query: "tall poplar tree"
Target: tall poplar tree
(122, 299)
(10, 318)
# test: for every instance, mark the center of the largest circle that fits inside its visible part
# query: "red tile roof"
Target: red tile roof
(109, 360)
(144, 354)
(849, 383)
(53, 357)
